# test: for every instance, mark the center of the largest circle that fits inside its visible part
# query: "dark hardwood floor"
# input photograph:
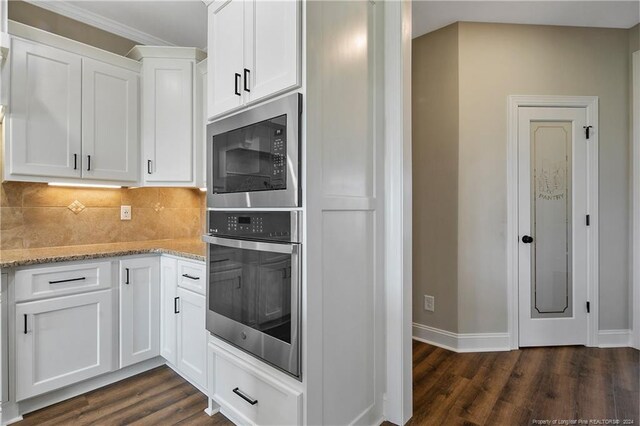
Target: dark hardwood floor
(496, 388)
(156, 397)
(518, 387)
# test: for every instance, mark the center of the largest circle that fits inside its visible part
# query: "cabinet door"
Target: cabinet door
(168, 308)
(4, 339)
(44, 129)
(168, 121)
(62, 341)
(272, 47)
(139, 310)
(110, 116)
(201, 124)
(226, 56)
(192, 336)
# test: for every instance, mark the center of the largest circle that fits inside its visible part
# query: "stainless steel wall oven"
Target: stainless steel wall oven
(253, 158)
(254, 281)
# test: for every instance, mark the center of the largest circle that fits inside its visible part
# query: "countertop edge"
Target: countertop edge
(102, 255)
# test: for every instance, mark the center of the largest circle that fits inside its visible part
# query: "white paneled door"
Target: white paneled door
(192, 336)
(62, 341)
(553, 226)
(270, 70)
(139, 310)
(110, 131)
(226, 45)
(168, 121)
(45, 111)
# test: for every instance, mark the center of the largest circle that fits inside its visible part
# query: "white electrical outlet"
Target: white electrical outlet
(429, 303)
(125, 212)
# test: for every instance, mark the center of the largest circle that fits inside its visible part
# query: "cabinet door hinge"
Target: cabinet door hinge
(588, 220)
(587, 130)
(588, 307)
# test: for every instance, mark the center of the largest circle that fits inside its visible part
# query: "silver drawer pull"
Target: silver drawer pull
(191, 277)
(241, 394)
(68, 281)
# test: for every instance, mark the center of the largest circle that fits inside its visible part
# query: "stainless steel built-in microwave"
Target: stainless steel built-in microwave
(253, 158)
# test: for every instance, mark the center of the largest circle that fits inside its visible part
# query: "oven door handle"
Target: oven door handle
(286, 248)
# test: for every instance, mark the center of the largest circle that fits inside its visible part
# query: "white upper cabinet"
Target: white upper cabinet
(45, 112)
(255, 50)
(225, 42)
(110, 116)
(73, 111)
(170, 115)
(201, 124)
(272, 35)
(168, 120)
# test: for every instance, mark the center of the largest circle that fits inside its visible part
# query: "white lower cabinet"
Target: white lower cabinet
(192, 336)
(63, 340)
(248, 395)
(184, 335)
(67, 328)
(139, 309)
(168, 308)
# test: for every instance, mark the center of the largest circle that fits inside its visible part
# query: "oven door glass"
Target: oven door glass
(252, 287)
(252, 158)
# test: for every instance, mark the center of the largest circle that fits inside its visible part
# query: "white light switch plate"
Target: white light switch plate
(125, 212)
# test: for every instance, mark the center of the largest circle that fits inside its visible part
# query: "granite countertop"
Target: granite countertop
(188, 248)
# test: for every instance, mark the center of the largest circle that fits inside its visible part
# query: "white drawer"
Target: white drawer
(268, 400)
(38, 283)
(191, 275)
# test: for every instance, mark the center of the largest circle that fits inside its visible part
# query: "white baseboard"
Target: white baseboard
(615, 338)
(461, 342)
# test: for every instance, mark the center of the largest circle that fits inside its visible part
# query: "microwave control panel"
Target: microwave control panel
(270, 226)
(279, 154)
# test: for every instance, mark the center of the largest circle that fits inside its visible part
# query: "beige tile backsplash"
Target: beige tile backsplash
(37, 215)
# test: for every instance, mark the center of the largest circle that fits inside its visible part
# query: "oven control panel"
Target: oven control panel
(269, 226)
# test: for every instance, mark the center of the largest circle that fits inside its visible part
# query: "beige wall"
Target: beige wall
(37, 215)
(501, 60)
(498, 60)
(34, 16)
(435, 176)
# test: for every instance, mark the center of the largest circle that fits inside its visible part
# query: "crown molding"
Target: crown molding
(139, 53)
(64, 8)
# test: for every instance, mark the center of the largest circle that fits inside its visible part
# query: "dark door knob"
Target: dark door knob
(527, 239)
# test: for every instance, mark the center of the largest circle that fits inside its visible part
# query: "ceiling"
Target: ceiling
(184, 22)
(170, 22)
(430, 15)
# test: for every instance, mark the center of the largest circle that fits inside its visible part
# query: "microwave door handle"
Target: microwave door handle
(287, 248)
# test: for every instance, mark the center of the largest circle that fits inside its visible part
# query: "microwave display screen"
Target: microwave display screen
(252, 158)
